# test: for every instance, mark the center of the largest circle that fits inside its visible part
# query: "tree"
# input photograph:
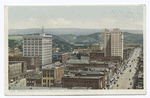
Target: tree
(79, 55)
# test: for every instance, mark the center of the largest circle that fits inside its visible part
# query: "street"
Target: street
(125, 80)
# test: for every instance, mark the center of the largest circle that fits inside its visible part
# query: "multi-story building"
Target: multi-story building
(97, 82)
(34, 81)
(16, 70)
(62, 57)
(95, 56)
(126, 52)
(40, 46)
(85, 58)
(113, 43)
(32, 62)
(52, 74)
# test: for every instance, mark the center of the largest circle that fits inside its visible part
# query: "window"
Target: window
(47, 75)
(44, 75)
(44, 85)
(52, 75)
(52, 81)
(44, 81)
(51, 71)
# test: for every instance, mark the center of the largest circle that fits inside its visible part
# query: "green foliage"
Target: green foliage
(64, 46)
(80, 54)
(129, 38)
(11, 43)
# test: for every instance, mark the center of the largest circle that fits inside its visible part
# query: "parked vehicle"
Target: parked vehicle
(117, 85)
(130, 83)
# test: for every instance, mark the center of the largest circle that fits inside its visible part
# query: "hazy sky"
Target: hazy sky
(90, 17)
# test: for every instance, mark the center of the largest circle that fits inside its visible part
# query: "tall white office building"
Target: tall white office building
(113, 43)
(38, 46)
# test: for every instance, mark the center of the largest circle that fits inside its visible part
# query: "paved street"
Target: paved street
(125, 79)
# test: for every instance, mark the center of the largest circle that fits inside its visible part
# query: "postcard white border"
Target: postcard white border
(72, 92)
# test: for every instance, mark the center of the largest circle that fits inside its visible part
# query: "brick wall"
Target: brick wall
(28, 60)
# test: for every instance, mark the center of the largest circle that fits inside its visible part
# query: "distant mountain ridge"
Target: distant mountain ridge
(63, 31)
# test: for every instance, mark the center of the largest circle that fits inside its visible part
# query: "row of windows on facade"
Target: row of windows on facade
(44, 85)
(51, 75)
(33, 49)
(32, 54)
(37, 44)
(44, 81)
(25, 46)
(32, 41)
(50, 71)
(32, 44)
(40, 53)
(37, 47)
(80, 81)
(33, 82)
(116, 50)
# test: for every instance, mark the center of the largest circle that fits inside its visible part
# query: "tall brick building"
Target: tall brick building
(96, 56)
(76, 81)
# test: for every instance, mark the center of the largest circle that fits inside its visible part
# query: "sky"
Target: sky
(86, 17)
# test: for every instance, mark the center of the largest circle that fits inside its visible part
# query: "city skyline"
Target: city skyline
(108, 57)
(85, 17)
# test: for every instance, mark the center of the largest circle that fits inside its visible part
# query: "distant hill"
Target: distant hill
(81, 36)
(129, 38)
(133, 38)
(63, 31)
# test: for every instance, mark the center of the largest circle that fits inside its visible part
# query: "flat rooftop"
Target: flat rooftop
(77, 77)
(36, 36)
(54, 65)
(71, 61)
(36, 76)
(91, 73)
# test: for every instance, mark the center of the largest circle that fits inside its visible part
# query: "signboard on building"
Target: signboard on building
(32, 61)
